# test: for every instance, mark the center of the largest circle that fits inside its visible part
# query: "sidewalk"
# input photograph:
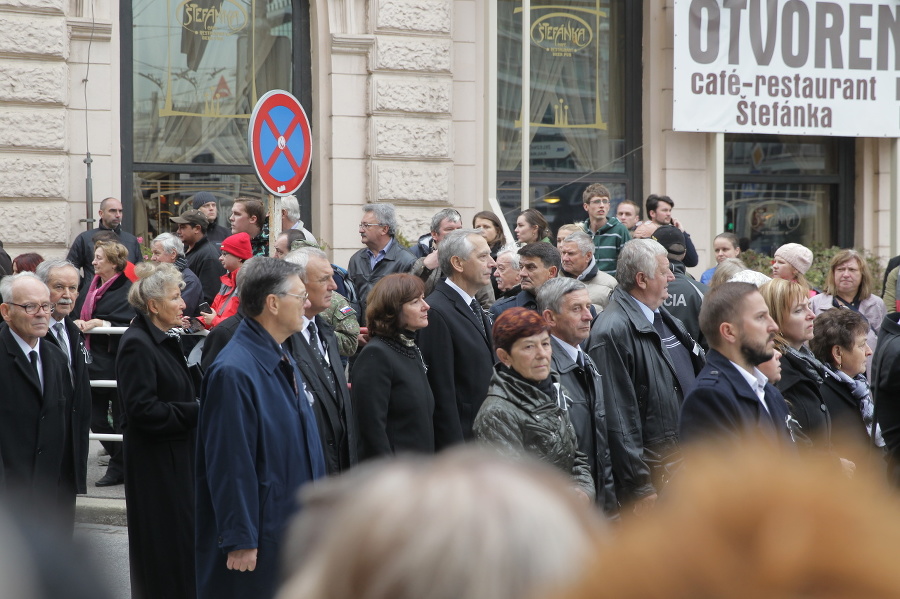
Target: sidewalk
(101, 505)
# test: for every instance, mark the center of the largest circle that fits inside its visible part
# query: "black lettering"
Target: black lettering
(697, 83)
(711, 84)
(888, 29)
(835, 86)
(862, 89)
(794, 9)
(848, 89)
(857, 34)
(734, 29)
(734, 84)
(826, 117)
(764, 115)
(789, 90)
(872, 86)
(773, 86)
(763, 50)
(742, 113)
(830, 33)
(698, 54)
(813, 112)
(760, 80)
(807, 88)
(821, 87)
(799, 117)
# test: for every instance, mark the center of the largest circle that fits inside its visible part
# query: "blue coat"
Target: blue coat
(723, 406)
(257, 443)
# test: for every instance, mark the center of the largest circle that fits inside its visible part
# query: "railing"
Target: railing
(111, 383)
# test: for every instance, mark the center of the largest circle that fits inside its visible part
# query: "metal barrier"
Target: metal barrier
(111, 383)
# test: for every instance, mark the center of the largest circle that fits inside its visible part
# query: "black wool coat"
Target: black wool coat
(158, 395)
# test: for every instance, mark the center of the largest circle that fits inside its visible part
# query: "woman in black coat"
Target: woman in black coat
(841, 344)
(389, 388)
(160, 416)
(106, 305)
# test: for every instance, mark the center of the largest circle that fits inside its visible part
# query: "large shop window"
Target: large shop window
(192, 73)
(789, 189)
(583, 122)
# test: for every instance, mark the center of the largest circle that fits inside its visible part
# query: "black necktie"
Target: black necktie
(58, 327)
(658, 325)
(32, 355)
(314, 344)
(476, 309)
(580, 358)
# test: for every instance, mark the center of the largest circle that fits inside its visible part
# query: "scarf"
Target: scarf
(859, 390)
(180, 263)
(95, 292)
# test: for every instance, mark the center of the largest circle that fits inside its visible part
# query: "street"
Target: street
(108, 546)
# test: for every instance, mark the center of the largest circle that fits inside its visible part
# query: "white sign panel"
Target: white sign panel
(796, 67)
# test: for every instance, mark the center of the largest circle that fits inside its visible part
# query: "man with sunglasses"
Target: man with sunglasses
(35, 448)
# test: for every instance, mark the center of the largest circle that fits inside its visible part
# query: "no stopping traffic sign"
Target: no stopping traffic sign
(280, 142)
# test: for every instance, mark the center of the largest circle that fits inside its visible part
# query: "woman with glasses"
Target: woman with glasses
(389, 387)
(106, 305)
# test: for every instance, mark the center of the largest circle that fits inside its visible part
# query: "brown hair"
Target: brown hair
(385, 303)
(723, 304)
(514, 324)
(594, 190)
(865, 284)
(114, 252)
(495, 220)
(534, 218)
(726, 269)
(836, 327)
(27, 262)
(254, 207)
(780, 296)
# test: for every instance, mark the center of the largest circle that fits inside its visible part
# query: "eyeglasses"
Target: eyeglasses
(367, 225)
(600, 202)
(300, 296)
(32, 309)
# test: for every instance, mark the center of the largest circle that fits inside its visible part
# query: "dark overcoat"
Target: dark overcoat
(33, 434)
(334, 412)
(583, 385)
(80, 413)
(364, 277)
(257, 443)
(160, 410)
(460, 363)
(723, 406)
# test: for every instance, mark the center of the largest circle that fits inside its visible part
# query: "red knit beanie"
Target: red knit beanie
(238, 245)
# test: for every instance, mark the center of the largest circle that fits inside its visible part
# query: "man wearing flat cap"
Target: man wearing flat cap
(201, 255)
(208, 204)
(685, 294)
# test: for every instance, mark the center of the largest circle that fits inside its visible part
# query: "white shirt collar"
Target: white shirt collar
(27, 349)
(466, 297)
(570, 349)
(644, 308)
(757, 381)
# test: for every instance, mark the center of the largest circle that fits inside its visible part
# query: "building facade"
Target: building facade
(419, 103)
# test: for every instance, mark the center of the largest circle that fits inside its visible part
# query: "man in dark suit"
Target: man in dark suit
(538, 263)
(315, 349)
(732, 398)
(456, 344)
(565, 304)
(37, 392)
(61, 277)
(201, 254)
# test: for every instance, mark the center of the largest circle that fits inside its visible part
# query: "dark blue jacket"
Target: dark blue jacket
(523, 299)
(723, 406)
(257, 443)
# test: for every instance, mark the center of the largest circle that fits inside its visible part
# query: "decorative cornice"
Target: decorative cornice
(82, 30)
(342, 43)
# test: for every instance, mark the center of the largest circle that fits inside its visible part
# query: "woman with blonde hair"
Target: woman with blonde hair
(726, 269)
(849, 285)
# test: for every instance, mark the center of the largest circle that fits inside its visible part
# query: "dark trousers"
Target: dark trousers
(100, 402)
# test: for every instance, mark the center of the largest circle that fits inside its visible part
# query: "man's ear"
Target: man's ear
(728, 332)
(272, 303)
(549, 317)
(553, 271)
(4, 311)
(455, 261)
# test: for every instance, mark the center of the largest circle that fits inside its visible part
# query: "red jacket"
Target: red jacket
(226, 301)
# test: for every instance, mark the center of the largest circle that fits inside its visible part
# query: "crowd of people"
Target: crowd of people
(241, 378)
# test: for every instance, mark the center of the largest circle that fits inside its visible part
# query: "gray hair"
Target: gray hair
(301, 257)
(550, 295)
(450, 214)
(170, 243)
(263, 277)
(638, 255)
(582, 240)
(473, 503)
(513, 251)
(44, 269)
(155, 279)
(7, 282)
(291, 205)
(386, 215)
(455, 243)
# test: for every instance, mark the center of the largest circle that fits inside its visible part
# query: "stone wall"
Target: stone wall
(42, 126)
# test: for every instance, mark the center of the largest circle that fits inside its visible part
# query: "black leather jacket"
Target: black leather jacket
(642, 394)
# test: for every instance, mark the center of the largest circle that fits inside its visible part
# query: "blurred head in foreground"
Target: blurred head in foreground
(752, 522)
(464, 525)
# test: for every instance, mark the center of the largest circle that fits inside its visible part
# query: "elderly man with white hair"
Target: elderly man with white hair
(578, 262)
(35, 451)
(649, 363)
(290, 217)
(167, 247)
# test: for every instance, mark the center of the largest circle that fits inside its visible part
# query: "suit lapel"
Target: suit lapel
(21, 362)
(310, 367)
(467, 312)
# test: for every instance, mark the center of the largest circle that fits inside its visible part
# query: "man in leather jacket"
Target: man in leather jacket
(649, 363)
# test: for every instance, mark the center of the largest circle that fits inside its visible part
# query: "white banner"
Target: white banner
(797, 67)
